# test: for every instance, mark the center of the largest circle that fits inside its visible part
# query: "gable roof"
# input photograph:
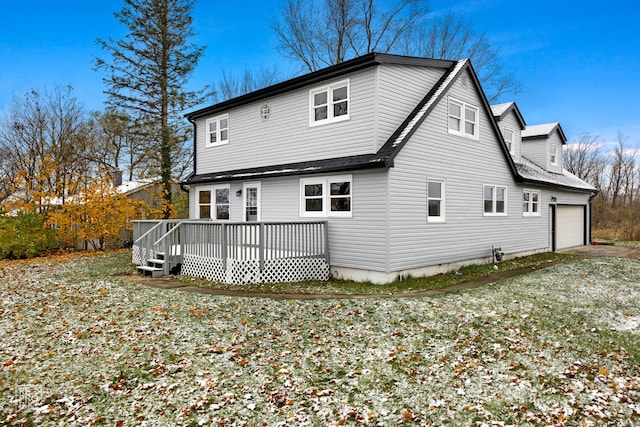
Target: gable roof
(543, 131)
(526, 171)
(334, 71)
(500, 111)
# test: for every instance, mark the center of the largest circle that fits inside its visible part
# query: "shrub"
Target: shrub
(25, 236)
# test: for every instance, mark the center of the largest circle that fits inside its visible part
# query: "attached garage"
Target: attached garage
(570, 226)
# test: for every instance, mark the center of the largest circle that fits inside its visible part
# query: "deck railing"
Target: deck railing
(239, 252)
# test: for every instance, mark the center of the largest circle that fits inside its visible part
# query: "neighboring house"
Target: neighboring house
(412, 170)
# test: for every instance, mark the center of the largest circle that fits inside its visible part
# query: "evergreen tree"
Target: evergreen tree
(146, 76)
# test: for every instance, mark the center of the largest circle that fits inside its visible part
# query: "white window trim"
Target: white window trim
(213, 211)
(219, 141)
(495, 200)
(441, 218)
(245, 185)
(463, 105)
(554, 154)
(511, 145)
(529, 211)
(330, 117)
(326, 197)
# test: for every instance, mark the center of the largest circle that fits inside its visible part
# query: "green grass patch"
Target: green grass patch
(406, 285)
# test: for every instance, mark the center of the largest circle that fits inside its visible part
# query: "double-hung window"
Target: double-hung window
(213, 202)
(435, 200)
(553, 157)
(495, 200)
(508, 138)
(463, 119)
(530, 203)
(217, 131)
(329, 103)
(327, 196)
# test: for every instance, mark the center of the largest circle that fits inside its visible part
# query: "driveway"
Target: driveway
(624, 251)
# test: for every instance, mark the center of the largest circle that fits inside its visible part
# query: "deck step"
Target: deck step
(150, 271)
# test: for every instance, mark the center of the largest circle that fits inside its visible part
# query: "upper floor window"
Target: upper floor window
(530, 203)
(329, 103)
(509, 136)
(217, 130)
(435, 200)
(555, 154)
(495, 200)
(327, 196)
(463, 119)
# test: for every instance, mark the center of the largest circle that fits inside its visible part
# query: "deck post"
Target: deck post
(326, 240)
(261, 247)
(224, 247)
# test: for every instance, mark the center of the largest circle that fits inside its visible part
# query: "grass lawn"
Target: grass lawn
(557, 346)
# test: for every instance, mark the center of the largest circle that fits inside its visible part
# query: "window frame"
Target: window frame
(494, 200)
(510, 142)
(442, 199)
(330, 103)
(326, 196)
(218, 131)
(213, 202)
(528, 212)
(554, 155)
(462, 120)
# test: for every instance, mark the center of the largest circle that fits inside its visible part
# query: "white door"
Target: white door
(252, 200)
(569, 226)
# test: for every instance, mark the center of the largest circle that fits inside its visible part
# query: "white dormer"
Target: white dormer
(511, 125)
(542, 144)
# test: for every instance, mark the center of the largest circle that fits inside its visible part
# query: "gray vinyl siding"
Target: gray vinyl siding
(286, 136)
(536, 150)
(511, 122)
(554, 138)
(356, 242)
(465, 165)
(400, 90)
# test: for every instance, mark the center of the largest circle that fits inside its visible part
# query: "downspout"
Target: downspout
(589, 238)
(182, 185)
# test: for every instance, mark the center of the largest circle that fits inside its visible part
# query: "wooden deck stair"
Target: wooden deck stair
(154, 266)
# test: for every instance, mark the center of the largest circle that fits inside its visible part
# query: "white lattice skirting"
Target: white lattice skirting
(248, 271)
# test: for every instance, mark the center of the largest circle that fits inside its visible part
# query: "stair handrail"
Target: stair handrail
(167, 244)
(145, 241)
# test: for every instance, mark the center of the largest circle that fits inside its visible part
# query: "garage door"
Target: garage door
(570, 226)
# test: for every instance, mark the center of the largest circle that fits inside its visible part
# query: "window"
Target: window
(495, 200)
(435, 200)
(329, 103)
(554, 155)
(530, 203)
(463, 119)
(204, 204)
(213, 203)
(330, 196)
(251, 201)
(217, 131)
(508, 138)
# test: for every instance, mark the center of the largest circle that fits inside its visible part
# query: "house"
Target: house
(403, 162)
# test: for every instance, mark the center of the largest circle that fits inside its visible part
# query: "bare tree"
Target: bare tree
(45, 127)
(231, 87)
(322, 33)
(585, 159)
(449, 36)
(319, 34)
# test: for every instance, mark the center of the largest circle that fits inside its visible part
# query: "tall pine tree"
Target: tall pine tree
(146, 76)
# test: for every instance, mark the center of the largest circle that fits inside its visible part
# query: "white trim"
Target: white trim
(328, 89)
(245, 187)
(554, 155)
(441, 217)
(213, 211)
(511, 144)
(494, 200)
(325, 197)
(218, 131)
(462, 120)
(529, 203)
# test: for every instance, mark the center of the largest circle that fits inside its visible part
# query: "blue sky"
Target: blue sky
(578, 61)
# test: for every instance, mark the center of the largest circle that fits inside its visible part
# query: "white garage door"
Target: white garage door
(569, 226)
